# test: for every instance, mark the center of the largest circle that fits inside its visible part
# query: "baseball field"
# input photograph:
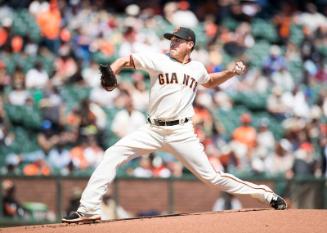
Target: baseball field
(242, 221)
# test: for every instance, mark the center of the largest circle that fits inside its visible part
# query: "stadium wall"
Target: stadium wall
(162, 195)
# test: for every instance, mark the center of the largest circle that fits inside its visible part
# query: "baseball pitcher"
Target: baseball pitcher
(174, 82)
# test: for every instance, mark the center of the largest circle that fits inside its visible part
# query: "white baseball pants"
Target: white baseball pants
(179, 140)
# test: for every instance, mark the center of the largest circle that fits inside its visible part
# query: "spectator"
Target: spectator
(292, 53)
(92, 119)
(11, 206)
(103, 46)
(82, 45)
(59, 158)
(323, 154)
(276, 104)
(279, 162)
(159, 168)
(245, 134)
(91, 75)
(227, 201)
(183, 16)
(128, 119)
(112, 210)
(265, 146)
(144, 169)
(100, 115)
(36, 77)
(323, 103)
(308, 46)
(5, 31)
(6, 137)
(78, 156)
(16, 44)
(19, 95)
(65, 65)
(175, 167)
(311, 18)
(39, 167)
(101, 97)
(203, 118)
(275, 61)
(321, 75)
(223, 101)
(4, 77)
(255, 80)
(49, 22)
(244, 142)
(73, 119)
(265, 138)
(304, 164)
(48, 137)
(11, 165)
(93, 152)
(284, 20)
(283, 79)
(74, 199)
(130, 43)
(52, 107)
(296, 103)
(76, 78)
(228, 160)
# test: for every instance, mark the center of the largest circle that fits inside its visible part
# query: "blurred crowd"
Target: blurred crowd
(56, 119)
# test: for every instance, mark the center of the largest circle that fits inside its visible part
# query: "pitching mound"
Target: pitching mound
(255, 220)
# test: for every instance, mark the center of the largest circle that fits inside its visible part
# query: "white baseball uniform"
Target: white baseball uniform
(173, 88)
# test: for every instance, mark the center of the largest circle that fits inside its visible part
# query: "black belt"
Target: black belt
(158, 122)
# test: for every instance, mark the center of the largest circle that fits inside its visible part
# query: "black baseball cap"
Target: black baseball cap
(182, 33)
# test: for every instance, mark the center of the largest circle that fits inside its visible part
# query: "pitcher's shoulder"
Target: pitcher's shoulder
(197, 64)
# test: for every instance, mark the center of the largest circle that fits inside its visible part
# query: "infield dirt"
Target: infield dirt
(242, 221)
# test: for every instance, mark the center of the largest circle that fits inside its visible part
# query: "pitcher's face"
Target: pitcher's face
(179, 47)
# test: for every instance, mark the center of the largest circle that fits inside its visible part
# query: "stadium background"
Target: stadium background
(269, 124)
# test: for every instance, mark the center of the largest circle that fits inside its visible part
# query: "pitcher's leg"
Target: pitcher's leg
(191, 154)
(141, 142)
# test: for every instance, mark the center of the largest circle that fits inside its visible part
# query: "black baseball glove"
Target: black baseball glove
(108, 78)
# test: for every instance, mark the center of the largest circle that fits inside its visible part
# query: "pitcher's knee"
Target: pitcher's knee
(114, 155)
(114, 150)
(210, 179)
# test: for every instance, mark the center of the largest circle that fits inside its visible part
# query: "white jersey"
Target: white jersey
(173, 84)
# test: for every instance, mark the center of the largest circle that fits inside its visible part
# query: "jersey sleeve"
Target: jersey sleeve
(146, 61)
(204, 78)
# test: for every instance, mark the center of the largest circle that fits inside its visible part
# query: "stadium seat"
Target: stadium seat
(100, 58)
(258, 53)
(25, 140)
(295, 67)
(27, 116)
(47, 62)
(296, 35)
(230, 23)
(323, 50)
(251, 100)
(73, 95)
(264, 29)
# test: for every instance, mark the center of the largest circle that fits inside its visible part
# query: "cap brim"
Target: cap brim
(168, 36)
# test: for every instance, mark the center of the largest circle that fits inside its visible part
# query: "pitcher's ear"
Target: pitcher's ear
(191, 44)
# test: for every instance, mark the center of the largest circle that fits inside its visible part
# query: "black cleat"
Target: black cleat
(78, 217)
(278, 203)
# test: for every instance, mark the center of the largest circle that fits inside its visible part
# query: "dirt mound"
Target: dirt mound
(254, 220)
